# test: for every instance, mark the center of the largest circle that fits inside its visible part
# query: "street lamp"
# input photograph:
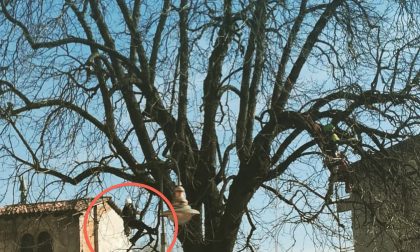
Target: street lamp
(183, 211)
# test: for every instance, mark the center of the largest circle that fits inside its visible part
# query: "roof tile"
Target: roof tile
(76, 205)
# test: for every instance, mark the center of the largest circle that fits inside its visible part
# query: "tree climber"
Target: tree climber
(328, 140)
(335, 160)
(130, 221)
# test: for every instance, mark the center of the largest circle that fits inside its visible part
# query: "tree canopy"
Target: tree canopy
(232, 95)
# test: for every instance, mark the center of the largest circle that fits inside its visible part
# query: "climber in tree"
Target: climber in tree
(332, 140)
(130, 221)
(335, 160)
(328, 139)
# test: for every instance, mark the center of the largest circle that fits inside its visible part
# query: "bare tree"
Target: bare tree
(234, 93)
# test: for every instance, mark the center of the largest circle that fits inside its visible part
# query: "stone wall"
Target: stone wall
(385, 202)
(111, 236)
(64, 231)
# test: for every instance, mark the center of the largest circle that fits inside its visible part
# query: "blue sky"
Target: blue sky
(292, 237)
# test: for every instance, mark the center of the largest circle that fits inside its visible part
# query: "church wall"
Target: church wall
(63, 231)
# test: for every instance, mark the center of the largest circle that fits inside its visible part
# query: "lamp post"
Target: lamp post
(162, 220)
(183, 211)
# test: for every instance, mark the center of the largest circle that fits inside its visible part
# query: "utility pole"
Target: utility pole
(162, 220)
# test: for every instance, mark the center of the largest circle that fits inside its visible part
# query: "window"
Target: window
(27, 243)
(44, 242)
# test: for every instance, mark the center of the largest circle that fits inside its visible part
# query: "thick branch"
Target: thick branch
(305, 52)
(158, 34)
(287, 50)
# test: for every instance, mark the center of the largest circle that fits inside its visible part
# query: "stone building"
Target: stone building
(385, 202)
(57, 226)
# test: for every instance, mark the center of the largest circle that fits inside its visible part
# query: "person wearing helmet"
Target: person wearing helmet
(131, 222)
(332, 140)
(335, 160)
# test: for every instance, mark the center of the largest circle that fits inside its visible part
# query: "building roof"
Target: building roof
(408, 147)
(391, 165)
(64, 206)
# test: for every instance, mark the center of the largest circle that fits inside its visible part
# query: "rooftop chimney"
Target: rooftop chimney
(23, 190)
